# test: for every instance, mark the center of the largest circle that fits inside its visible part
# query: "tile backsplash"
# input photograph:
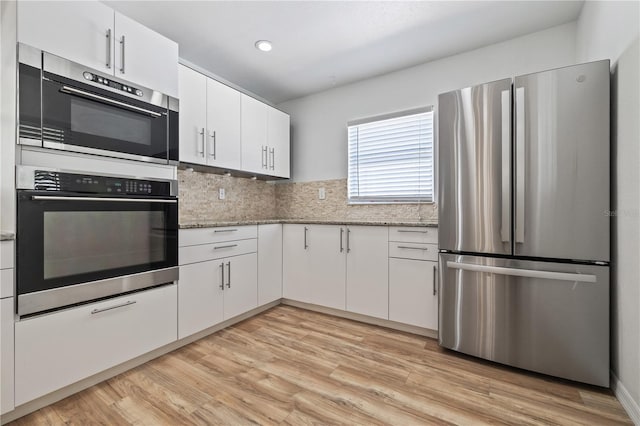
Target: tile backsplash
(247, 199)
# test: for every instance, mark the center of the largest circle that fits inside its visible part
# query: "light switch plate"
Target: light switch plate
(221, 194)
(321, 194)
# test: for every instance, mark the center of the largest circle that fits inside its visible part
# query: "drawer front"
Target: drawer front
(6, 254)
(56, 350)
(219, 250)
(6, 283)
(413, 234)
(191, 237)
(414, 251)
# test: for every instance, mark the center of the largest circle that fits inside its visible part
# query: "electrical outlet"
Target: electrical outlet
(221, 194)
(321, 194)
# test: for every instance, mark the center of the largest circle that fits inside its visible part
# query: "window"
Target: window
(391, 158)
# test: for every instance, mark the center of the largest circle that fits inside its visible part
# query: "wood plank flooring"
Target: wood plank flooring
(290, 366)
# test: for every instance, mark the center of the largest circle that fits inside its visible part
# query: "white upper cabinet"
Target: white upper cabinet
(279, 143)
(145, 57)
(193, 115)
(254, 135)
(223, 125)
(82, 31)
(92, 34)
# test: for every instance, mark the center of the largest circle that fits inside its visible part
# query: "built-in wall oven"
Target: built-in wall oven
(82, 237)
(67, 106)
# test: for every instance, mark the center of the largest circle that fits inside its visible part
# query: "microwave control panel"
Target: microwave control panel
(106, 185)
(113, 84)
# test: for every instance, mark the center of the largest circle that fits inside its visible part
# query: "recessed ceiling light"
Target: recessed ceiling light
(264, 45)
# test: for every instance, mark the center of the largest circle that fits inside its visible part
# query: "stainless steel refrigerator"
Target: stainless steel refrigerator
(523, 207)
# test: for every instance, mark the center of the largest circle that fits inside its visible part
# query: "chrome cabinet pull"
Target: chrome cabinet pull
(225, 230)
(213, 151)
(341, 234)
(413, 248)
(119, 200)
(306, 246)
(109, 48)
(122, 42)
(122, 305)
(229, 274)
(273, 158)
(348, 240)
(222, 276)
(414, 231)
(201, 151)
(434, 279)
(73, 91)
(264, 157)
(227, 246)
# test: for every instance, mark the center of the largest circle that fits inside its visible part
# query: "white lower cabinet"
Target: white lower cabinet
(269, 263)
(296, 260)
(58, 349)
(240, 285)
(200, 297)
(413, 293)
(6, 355)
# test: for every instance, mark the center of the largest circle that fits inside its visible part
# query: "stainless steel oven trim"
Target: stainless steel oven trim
(25, 177)
(102, 152)
(78, 92)
(32, 303)
(111, 200)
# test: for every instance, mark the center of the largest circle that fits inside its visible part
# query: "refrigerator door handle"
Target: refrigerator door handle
(505, 229)
(520, 164)
(528, 273)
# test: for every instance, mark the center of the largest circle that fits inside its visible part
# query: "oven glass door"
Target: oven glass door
(88, 118)
(67, 240)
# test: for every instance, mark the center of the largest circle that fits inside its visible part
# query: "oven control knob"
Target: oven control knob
(87, 75)
(138, 92)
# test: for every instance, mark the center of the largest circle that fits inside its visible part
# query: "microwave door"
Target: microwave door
(474, 178)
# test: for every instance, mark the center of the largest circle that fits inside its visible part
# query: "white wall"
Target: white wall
(319, 141)
(610, 30)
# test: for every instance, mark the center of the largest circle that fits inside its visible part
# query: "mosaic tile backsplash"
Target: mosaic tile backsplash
(247, 199)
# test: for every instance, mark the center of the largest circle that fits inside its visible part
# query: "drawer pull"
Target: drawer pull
(225, 230)
(413, 248)
(227, 246)
(414, 231)
(122, 305)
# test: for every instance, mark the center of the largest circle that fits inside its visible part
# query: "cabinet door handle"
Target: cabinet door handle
(229, 274)
(201, 151)
(348, 240)
(109, 48)
(224, 247)
(341, 234)
(306, 246)
(122, 42)
(435, 277)
(273, 158)
(264, 157)
(212, 152)
(222, 273)
(122, 305)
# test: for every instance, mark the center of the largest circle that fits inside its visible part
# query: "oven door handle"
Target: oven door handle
(73, 91)
(119, 200)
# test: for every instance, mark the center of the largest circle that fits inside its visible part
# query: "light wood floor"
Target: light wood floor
(292, 366)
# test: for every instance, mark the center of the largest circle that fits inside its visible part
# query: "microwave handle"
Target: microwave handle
(73, 91)
(121, 200)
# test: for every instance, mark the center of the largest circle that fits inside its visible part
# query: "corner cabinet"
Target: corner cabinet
(92, 34)
(265, 139)
(209, 121)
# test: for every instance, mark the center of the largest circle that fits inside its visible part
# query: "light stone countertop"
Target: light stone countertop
(215, 224)
(6, 236)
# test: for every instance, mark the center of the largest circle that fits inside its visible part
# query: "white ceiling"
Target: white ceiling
(320, 44)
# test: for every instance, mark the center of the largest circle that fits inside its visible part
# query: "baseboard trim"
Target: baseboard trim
(363, 318)
(628, 403)
(60, 394)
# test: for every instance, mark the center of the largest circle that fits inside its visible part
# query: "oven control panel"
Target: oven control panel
(72, 182)
(113, 84)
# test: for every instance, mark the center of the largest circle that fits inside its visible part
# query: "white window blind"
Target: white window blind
(391, 158)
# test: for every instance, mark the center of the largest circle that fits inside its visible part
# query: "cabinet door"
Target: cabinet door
(6, 355)
(241, 284)
(368, 271)
(412, 292)
(328, 266)
(296, 261)
(193, 115)
(269, 263)
(223, 125)
(278, 141)
(200, 297)
(78, 31)
(254, 135)
(145, 57)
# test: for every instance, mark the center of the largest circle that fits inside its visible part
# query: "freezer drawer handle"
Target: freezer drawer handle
(529, 273)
